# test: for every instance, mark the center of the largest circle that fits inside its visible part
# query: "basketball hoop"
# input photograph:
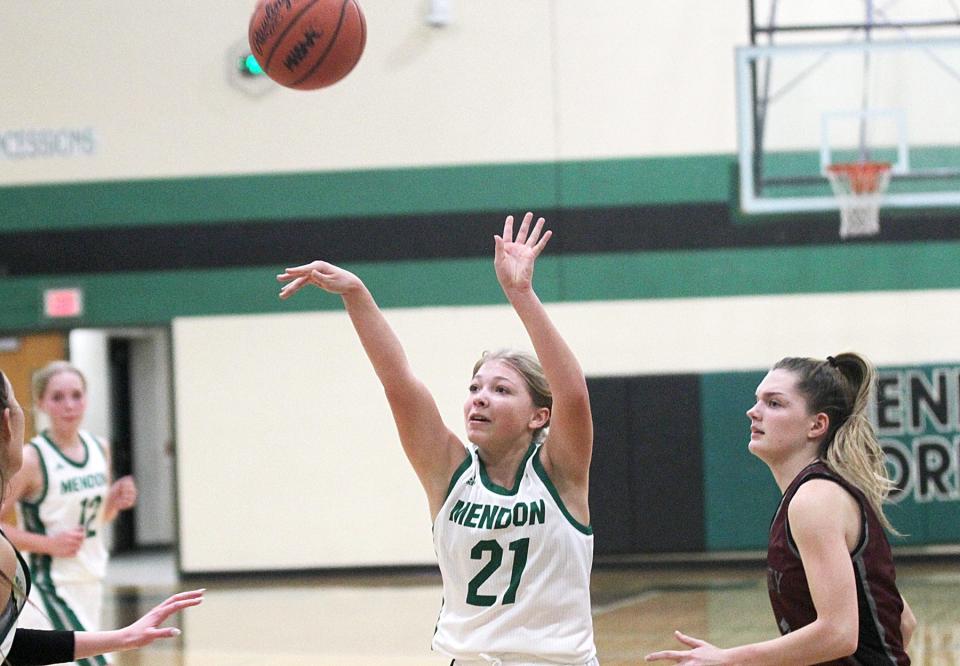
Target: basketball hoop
(859, 188)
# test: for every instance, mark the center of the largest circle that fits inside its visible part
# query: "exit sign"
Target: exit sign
(63, 303)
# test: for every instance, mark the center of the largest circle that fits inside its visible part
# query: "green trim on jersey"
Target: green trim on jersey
(98, 442)
(43, 471)
(31, 518)
(542, 473)
(39, 562)
(500, 490)
(40, 565)
(457, 473)
(63, 617)
(86, 450)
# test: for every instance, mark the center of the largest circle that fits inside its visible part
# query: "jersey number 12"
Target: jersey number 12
(88, 513)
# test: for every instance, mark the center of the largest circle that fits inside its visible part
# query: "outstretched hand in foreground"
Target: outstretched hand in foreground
(701, 654)
(139, 634)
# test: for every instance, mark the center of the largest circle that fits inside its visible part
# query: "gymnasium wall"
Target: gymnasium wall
(151, 84)
(134, 168)
(302, 441)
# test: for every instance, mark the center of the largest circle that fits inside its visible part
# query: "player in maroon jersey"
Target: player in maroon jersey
(830, 572)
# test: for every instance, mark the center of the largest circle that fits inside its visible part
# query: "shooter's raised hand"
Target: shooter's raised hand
(514, 259)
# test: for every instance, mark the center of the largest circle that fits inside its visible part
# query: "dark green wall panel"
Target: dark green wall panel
(739, 493)
(645, 491)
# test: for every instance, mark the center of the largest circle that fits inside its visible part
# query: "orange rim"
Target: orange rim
(863, 177)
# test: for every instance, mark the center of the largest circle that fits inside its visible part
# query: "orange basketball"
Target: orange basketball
(307, 44)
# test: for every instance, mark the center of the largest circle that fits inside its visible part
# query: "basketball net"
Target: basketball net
(859, 188)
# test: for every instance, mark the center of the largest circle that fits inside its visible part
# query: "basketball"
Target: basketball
(307, 44)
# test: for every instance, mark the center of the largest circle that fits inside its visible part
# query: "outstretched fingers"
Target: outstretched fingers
(508, 229)
(681, 656)
(532, 235)
(147, 629)
(318, 273)
(524, 230)
(525, 235)
(156, 633)
(666, 655)
(689, 640)
(289, 289)
(298, 271)
(177, 603)
(542, 243)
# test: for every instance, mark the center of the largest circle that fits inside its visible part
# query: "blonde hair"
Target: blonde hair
(42, 377)
(841, 388)
(529, 368)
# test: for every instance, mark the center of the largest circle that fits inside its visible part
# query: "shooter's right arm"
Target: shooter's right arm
(433, 450)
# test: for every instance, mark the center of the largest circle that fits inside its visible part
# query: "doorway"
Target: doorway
(130, 402)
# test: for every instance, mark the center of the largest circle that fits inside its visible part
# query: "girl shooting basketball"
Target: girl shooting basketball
(509, 507)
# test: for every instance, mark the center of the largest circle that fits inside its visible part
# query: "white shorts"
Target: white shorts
(73, 606)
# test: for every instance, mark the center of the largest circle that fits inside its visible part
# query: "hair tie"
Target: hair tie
(832, 361)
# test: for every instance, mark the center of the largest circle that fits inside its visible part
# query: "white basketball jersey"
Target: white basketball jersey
(516, 570)
(73, 494)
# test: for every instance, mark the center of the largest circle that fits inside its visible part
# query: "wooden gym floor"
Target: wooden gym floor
(388, 619)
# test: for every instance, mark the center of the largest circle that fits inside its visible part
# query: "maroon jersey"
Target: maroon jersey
(878, 600)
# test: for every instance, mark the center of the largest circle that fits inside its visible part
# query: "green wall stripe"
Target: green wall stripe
(735, 272)
(688, 179)
(648, 181)
(807, 163)
(408, 191)
(155, 298)
(274, 196)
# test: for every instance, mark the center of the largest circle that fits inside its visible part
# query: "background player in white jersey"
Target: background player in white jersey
(29, 646)
(510, 511)
(65, 499)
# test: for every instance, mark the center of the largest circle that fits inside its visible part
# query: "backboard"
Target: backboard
(848, 81)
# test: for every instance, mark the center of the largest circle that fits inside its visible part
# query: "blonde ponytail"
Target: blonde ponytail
(841, 387)
(855, 453)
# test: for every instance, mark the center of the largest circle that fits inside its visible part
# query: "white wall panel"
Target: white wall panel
(288, 457)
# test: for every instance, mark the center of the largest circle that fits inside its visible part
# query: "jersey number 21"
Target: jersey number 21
(519, 548)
